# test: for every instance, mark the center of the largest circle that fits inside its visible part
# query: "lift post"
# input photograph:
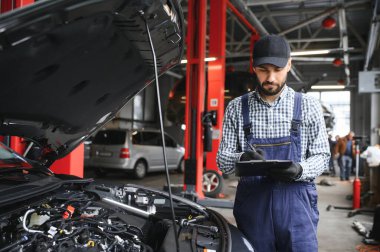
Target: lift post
(216, 74)
(195, 95)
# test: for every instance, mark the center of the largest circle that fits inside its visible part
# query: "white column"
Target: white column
(375, 118)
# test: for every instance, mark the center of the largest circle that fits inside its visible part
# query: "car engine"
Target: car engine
(102, 218)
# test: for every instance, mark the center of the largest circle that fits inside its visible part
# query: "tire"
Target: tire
(139, 171)
(212, 183)
(181, 166)
(100, 172)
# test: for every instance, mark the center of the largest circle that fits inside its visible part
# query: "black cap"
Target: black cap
(271, 49)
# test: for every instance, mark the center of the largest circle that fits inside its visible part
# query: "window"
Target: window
(110, 137)
(136, 137)
(169, 142)
(339, 102)
(151, 138)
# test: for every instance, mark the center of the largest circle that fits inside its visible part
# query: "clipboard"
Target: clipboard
(259, 167)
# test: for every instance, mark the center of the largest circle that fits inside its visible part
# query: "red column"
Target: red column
(216, 74)
(195, 94)
(17, 145)
(7, 5)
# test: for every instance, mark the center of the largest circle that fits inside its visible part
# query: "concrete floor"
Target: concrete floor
(335, 232)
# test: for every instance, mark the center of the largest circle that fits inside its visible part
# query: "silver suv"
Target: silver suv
(136, 151)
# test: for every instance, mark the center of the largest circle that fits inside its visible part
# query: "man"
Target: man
(345, 147)
(277, 212)
(332, 144)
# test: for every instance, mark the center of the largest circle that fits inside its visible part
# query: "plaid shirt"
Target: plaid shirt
(272, 121)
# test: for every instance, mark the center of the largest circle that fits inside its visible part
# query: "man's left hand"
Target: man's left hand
(288, 174)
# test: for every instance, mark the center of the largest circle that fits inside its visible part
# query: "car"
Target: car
(136, 151)
(67, 68)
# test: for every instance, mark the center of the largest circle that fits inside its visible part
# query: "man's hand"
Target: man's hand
(251, 155)
(288, 174)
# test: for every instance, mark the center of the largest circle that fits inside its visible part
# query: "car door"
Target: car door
(171, 152)
(152, 150)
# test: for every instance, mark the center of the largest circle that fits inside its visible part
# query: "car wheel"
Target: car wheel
(140, 169)
(212, 183)
(99, 172)
(181, 166)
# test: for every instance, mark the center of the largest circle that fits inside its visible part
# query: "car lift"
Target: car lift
(195, 140)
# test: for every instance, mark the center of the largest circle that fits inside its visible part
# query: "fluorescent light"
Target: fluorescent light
(327, 87)
(210, 59)
(311, 52)
(184, 61)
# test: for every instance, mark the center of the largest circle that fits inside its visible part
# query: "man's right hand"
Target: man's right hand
(251, 155)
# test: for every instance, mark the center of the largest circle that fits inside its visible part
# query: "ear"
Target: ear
(254, 69)
(289, 65)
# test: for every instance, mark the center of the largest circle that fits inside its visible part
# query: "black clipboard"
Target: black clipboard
(259, 167)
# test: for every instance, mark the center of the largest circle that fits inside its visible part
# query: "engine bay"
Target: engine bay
(103, 218)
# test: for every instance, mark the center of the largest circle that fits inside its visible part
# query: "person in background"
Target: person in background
(345, 148)
(332, 144)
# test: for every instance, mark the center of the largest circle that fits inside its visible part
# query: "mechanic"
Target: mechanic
(278, 211)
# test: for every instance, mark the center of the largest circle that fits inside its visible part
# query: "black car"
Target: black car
(67, 67)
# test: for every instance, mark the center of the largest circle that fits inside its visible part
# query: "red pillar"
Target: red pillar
(17, 145)
(195, 94)
(7, 5)
(216, 74)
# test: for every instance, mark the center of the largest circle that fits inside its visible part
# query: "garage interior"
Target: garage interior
(336, 58)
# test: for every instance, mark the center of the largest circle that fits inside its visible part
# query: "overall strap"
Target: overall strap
(247, 125)
(297, 112)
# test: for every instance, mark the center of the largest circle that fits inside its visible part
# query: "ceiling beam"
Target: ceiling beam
(173, 74)
(344, 41)
(373, 35)
(276, 25)
(353, 30)
(310, 20)
(323, 59)
(312, 10)
(268, 2)
(312, 39)
(303, 40)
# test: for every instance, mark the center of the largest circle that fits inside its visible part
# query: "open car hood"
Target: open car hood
(68, 66)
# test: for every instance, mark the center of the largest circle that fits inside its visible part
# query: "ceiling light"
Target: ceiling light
(311, 52)
(184, 61)
(210, 59)
(327, 87)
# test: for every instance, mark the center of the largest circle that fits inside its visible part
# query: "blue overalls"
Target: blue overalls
(275, 215)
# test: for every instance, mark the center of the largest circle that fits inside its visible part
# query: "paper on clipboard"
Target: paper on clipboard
(259, 167)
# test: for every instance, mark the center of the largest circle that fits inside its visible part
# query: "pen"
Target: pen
(251, 146)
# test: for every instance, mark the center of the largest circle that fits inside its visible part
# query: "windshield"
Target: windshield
(9, 158)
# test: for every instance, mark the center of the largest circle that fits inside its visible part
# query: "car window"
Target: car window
(151, 138)
(109, 137)
(136, 137)
(169, 142)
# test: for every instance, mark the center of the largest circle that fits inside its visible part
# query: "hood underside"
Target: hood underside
(68, 66)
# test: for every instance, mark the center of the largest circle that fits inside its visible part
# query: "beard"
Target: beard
(271, 91)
